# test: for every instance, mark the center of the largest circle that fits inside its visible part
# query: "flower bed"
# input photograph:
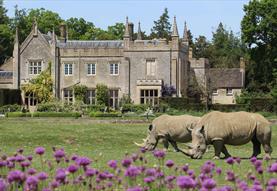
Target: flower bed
(132, 173)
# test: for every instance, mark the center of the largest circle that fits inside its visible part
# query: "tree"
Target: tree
(117, 30)
(274, 90)
(80, 29)
(41, 86)
(201, 47)
(259, 26)
(162, 27)
(6, 35)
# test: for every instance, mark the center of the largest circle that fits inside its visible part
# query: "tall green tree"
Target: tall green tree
(117, 31)
(80, 29)
(201, 47)
(6, 34)
(162, 27)
(259, 32)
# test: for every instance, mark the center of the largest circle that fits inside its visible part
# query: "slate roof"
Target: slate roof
(226, 77)
(6, 75)
(91, 44)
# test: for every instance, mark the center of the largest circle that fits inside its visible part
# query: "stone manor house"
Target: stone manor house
(134, 67)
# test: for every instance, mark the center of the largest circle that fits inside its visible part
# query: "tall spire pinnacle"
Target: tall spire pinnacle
(16, 39)
(185, 35)
(127, 32)
(175, 29)
(139, 36)
(35, 27)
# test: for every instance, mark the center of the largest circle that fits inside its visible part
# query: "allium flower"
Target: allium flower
(40, 150)
(270, 188)
(59, 154)
(159, 154)
(3, 185)
(31, 171)
(90, 172)
(150, 172)
(149, 179)
(25, 164)
(74, 157)
(54, 184)
(46, 189)
(132, 171)
(126, 162)
(142, 150)
(191, 173)
(209, 184)
(112, 164)
(170, 178)
(3, 163)
(83, 161)
(218, 171)
(20, 158)
(169, 163)
(206, 169)
(42, 176)
(20, 150)
(272, 182)
(72, 168)
(135, 157)
(30, 158)
(273, 167)
(32, 181)
(15, 176)
(230, 160)
(185, 167)
(225, 188)
(185, 182)
(253, 159)
(230, 176)
(60, 175)
(237, 159)
(258, 163)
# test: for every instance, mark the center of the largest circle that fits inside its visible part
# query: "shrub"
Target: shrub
(57, 114)
(18, 114)
(50, 107)
(10, 108)
(139, 108)
(102, 94)
(102, 114)
(80, 92)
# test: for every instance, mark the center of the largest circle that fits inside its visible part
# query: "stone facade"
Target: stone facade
(135, 67)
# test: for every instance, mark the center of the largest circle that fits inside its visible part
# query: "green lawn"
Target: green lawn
(100, 141)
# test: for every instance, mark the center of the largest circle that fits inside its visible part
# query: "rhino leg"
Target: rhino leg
(225, 152)
(165, 143)
(218, 147)
(265, 139)
(174, 145)
(256, 146)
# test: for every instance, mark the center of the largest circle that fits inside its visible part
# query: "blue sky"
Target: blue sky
(202, 16)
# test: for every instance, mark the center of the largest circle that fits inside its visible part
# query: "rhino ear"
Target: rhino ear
(201, 130)
(190, 128)
(150, 127)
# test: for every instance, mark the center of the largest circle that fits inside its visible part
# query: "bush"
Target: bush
(18, 114)
(229, 107)
(139, 108)
(50, 107)
(102, 114)
(43, 114)
(10, 108)
(102, 94)
(95, 108)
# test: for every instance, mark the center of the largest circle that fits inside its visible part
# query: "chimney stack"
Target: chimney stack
(131, 30)
(63, 32)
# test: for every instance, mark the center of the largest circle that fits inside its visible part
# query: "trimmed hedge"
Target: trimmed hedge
(44, 114)
(229, 107)
(101, 114)
(181, 103)
(139, 108)
(10, 108)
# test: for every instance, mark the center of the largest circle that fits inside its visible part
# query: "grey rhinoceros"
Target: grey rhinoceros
(169, 129)
(237, 128)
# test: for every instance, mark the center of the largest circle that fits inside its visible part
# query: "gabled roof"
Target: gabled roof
(226, 78)
(91, 44)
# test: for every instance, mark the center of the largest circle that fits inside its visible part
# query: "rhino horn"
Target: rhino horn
(189, 145)
(140, 144)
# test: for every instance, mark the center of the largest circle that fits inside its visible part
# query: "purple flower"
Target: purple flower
(237, 159)
(59, 154)
(42, 176)
(273, 167)
(135, 157)
(31, 171)
(60, 175)
(83, 161)
(74, 157)
(169, 163)
(3, 185)
(209, 184)
(72, 168)
(30, 158)
(132, 171)
(3, 163)
(40, 150)
(20, 150)
(159, 154)
(185, 167)
(253, 159)
(218, 171)
(150, 172)
(126, 162)
(258, 163)
(270, 188)
(230, 160)
(149, 179)
(112, 164)
(185, 182)
(32, 181)
(206, 169)
(54, 184)
(20, 158)
(90, 172)
(169, 178)
(230, 176)
(46, 189)
(272, 182)
(15, 176)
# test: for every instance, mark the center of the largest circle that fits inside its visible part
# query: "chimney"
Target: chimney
(63, 32)
(131, 30)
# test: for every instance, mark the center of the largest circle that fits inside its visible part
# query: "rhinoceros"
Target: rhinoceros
(237, 128)
(169, 129)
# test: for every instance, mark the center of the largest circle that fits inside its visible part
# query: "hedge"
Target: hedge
(10, 108)
(43, 114)
(229, 107)
(101, 114)
(181, 103)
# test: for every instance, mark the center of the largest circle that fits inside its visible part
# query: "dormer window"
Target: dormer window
(35, 67)
(229, 91)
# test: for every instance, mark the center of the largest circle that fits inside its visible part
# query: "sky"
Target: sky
(202, 16)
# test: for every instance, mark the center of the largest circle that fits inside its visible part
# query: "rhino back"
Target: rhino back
(235, 128)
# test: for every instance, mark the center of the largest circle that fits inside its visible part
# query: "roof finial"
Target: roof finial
(175, 29)
(127, 33)
(35, 27)
(139, 36)
(185, 36)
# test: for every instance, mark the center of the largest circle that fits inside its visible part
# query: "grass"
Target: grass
(99, 140)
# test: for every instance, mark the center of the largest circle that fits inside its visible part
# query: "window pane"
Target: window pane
(141, 92)
(111, 68)
(93, 69)
(89, 69)
(151, 93)
(116, 69)
(156, 93)
(147, 93)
